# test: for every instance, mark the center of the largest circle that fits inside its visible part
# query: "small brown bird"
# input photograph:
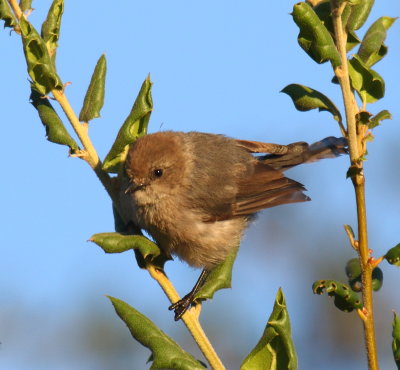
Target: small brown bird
(195, 193)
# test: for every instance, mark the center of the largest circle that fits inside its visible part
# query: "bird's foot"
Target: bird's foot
(182, 305)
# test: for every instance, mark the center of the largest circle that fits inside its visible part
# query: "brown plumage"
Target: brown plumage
(195, 193)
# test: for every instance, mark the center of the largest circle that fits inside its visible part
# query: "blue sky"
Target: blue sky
(217, 67)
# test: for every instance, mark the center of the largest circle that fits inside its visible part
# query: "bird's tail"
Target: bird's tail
(301, 152)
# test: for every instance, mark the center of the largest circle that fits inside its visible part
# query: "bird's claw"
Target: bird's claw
(182, 305)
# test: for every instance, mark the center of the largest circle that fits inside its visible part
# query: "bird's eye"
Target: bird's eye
(158, 172)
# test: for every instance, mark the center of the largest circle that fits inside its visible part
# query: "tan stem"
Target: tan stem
(190, 319)
(90, 154)
(356, 150)
(16, 9)
(342, 73)
(81, 129)
(366, 269)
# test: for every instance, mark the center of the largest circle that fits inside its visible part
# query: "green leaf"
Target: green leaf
(94, 98)
(305, 98)
(220, 277)
(366, 118)
(377, 279)
(314, 37)
(352, 40)
(166, 353)
(359, 14)
(396, 339)
(275, 349)
(7, 15)
(55, 129)
(376, 120)
(118, 243)
(324, 12)
(344, 298)
(369, 85)
(372, 48)
(393, 255)
(40, 66)
(51, 27)
(353, 171)
(353, 272)
(363, 117)
(25, 5)
(134, 127)
(349, 231)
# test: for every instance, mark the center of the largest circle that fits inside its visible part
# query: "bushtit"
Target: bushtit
(195, 193)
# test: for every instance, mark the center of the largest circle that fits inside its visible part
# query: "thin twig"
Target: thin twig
(190, 319)
(16, 9)
(356, 151)
(89, 154)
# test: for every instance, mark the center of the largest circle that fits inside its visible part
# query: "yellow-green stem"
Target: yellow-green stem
(90, 154)
(358, 182)
(16, 9)
(190, 319)
(342, 73)
(366, 268)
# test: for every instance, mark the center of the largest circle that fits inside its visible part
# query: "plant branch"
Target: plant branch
(190, 319)
(81, 129)
(355, 138)
(90, 154)
(16, 9)
(342, 73)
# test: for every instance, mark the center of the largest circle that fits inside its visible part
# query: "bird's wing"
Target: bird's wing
(266, 188)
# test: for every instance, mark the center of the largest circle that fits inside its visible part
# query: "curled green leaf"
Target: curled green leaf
(350, 234)
(369, 85)
(372, 48)
(314, 37)
(275, 349)
(353, 171)
(377, 279)
(366, 118)
(353, 272)
(324, 12)
(344, 298)
(55, 129)
(376, 120)
(363, 117)
(305, 98)
(40, 67)
(220, 277)
(25, 5)
(396, 339)
(51, 27)
(94, 98)
(135, 126)
(118, 243)
(7, 15)
(166, 353)
(359, 14)
(393, 255)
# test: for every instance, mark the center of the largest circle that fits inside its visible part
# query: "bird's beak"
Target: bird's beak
(133, 187)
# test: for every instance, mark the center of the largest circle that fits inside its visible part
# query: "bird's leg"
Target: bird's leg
(183, 304)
